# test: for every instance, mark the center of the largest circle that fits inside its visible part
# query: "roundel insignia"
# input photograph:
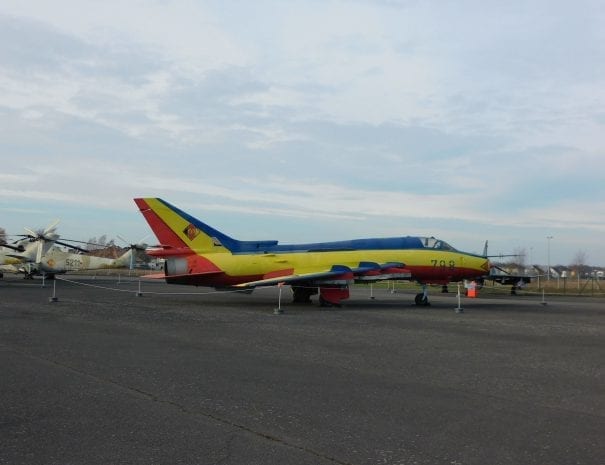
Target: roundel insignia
(191, 231)
(51, 263)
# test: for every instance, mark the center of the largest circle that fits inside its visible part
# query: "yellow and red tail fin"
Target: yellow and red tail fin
(177, 230)
(180, 231)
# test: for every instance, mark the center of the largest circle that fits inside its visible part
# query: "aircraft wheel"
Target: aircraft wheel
(421, 299)
(301, 295)
(327, 304)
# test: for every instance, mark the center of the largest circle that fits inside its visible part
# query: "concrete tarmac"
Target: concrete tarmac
(105, 377)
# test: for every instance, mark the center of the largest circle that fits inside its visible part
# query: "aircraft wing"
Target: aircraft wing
(154, 276)
(166, 251)
(302, 277)
(501, 276)
(186, 275)
(366, 271)
(510, 279)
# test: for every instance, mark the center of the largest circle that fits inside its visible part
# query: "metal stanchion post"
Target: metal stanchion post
(278, 310)
(54, 297)
(139, 294)
(459, 308)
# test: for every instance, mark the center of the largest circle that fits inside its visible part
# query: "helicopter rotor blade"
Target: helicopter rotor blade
(31, 233)
(142, 239)
(17, 248)
(71, 246)
(122, 239)
(39, 252)
(50, 228)
(84, 242)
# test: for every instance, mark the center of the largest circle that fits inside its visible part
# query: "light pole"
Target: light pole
(548, 238)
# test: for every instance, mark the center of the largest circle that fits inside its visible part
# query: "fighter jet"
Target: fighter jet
(200, 255)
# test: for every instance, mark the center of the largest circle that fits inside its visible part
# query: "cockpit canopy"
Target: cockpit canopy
(437, 244)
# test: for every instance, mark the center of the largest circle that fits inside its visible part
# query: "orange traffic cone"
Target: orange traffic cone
(472, 290)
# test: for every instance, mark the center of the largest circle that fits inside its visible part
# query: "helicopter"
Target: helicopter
(37, 253)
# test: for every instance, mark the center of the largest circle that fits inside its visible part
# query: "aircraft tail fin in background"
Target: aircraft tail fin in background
(176, 229)
(124, 260)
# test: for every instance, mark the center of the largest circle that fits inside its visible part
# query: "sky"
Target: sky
(308, 121)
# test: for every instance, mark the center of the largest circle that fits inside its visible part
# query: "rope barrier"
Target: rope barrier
(96, 286)
(79, 283)
(485, 289)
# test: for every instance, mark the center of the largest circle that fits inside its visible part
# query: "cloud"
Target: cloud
(383, 115)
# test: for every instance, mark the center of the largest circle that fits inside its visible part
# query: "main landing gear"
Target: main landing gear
(302, 295)
(328, 296)
(422, 299)
(333, 296)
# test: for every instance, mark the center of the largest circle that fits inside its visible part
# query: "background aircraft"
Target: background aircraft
(36, 253)
(200, 255)
(30, 248)
(12, 254)
(57, 261)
